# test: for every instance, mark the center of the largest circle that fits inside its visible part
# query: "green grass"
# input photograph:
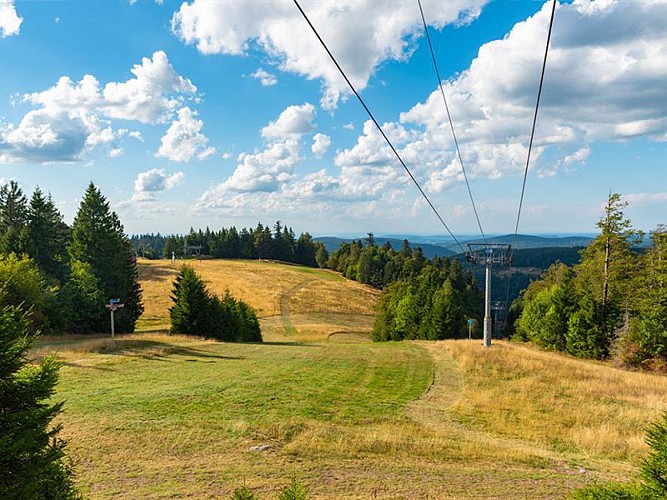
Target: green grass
(162, 416)
(186, 400)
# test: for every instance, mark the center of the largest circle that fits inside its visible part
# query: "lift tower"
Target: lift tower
(488, 254)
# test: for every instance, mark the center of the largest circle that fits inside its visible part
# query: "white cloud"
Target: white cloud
(154, 181)
(135, 134)
(349, 126)
(644, 198)
(321, 143)
(359, 34)
(74, 116)
(604, 82)
(115, 152)
(293, 123)
(184, 140)
(10, 22)
(579, 156)
(267, 79)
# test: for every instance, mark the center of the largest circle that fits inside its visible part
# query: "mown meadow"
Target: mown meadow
(160, 416)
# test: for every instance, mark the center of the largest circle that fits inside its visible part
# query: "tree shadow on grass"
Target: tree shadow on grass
(76, 365)
(153, 350)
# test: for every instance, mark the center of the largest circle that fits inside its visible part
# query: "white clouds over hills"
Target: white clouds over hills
(360, 33)
(605, 82)
(73, 116)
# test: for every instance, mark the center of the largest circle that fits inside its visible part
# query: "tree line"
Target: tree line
(612, 303)
(261, 242)
(421, 298)
(64, 275)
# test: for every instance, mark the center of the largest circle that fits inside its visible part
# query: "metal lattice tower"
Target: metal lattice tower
(488, 254)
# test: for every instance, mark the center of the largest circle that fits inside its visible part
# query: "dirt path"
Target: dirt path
(285, 298)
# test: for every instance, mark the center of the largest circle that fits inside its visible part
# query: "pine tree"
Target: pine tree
(651, 330)
(32, 456)
(13, 219)
(654, 469)
(98, 239)
(47, 236)
(191, 312)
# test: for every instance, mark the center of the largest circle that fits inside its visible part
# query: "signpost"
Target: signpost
(113, 305)
(470, 322)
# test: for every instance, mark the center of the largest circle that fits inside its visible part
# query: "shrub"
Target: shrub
(295, 491)
(654, 468)
(32, 456)
(243, 493)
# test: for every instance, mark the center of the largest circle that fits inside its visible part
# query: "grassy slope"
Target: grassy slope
(168, 416)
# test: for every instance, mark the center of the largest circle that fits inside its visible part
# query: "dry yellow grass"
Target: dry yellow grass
(559, 403)
(293, 302)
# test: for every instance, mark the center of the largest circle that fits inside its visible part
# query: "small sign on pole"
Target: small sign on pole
(470, 322)
(113, 305)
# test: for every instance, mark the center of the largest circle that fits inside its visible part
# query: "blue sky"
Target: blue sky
(219, 113)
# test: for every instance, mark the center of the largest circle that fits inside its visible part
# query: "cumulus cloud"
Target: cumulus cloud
(360, 35)
(604, 82)
(72, 116)
(10, 22)
(153, 181)
(267, 79)
(184, 140)
(321, 143)
(293, 123)
(579, 156)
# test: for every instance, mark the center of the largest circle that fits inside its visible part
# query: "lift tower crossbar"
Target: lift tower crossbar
(487, 254)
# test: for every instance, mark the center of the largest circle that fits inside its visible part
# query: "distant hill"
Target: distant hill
(332, 243)
(524, 241)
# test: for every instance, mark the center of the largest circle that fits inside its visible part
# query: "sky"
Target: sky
(218, 113)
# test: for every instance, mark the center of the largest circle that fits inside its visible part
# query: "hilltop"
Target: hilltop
(353, 419)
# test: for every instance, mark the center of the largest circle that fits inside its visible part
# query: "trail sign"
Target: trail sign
(113, 305)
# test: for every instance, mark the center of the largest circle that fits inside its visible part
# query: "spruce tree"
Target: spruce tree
(32, 456)
(654, 469)
(98, 240)
(13, 219)
(191, 312)
(47, 236)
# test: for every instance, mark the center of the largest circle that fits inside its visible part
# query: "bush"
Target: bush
(295, 491)
(610, 491)
(243, 493)
(654, 468)
(32, 456)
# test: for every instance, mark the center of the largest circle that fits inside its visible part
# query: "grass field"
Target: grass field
(161, 416)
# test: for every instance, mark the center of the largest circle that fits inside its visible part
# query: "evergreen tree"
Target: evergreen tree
(190, 314)
(98, 240)
(654, 469)
(13, 219)
(32, 456)
(607, 267)
(47, 236)
(321, 254)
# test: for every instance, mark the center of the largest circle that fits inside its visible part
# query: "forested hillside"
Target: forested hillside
(612, 303)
